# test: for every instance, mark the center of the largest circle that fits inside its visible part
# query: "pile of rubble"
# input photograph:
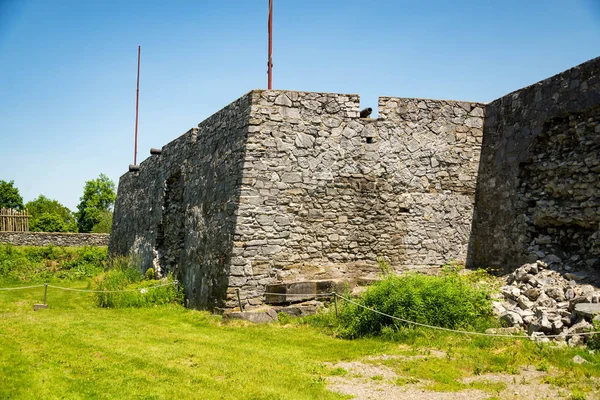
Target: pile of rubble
(544, 303)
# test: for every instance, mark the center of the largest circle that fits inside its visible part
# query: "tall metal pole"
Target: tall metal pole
(270, 62)
(137, 101)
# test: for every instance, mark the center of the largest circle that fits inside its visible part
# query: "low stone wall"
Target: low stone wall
(54, 239)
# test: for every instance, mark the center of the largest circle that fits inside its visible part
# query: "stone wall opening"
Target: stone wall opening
(170, 234)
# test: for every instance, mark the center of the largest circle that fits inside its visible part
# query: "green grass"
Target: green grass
(77, 350)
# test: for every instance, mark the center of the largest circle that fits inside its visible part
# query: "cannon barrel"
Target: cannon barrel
(155, 152)
(366, 112)
(134, 168)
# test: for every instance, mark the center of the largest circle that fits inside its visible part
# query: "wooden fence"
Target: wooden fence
(13, 220)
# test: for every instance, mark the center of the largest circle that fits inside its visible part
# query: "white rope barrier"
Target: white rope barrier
(21, 287)
(92, 291)
(112, 291)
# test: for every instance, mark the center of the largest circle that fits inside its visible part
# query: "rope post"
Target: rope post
(335, 303)
(40, 306)
(237, 292)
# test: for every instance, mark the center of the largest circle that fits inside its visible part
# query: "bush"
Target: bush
(124, 273)
(49, 215)
(449, 301)
(48, 223)
(37, 264)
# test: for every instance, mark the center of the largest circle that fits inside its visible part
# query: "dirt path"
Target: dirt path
(367, 381)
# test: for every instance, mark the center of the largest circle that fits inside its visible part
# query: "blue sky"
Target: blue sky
(68, 68)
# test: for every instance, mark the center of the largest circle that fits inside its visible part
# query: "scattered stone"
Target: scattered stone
(511, 319)
(543, 302)
(555, 293)
(576, 276)
(581, 326)
(498, 308)
(575, 340)
(532, 293)
(579, 360)
(513, 330)
(589, 310)
(524, 302)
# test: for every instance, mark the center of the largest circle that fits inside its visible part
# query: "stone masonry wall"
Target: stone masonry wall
(538, 190)
(178, 213)
(54, 239)
(283, 186)
(325, 193)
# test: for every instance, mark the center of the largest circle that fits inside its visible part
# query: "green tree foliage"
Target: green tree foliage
(9, 196)
(104, 224)
(97, 200)
(49, 215)
(47, 223)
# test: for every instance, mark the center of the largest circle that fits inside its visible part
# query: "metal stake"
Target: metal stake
(335, 303)
(41, 306)
(237, 291)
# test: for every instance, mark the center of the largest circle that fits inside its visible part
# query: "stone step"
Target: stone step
(264, 316)
(364, 281)
(293, 292)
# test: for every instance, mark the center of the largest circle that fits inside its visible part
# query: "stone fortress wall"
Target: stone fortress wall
(538, 189)
(178, 214)
(282, 186)
(325, 192)
(286, 186)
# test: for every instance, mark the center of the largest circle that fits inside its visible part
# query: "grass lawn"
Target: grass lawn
(77, 350)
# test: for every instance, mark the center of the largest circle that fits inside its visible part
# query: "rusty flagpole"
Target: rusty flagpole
(137, 101)
(270, 61)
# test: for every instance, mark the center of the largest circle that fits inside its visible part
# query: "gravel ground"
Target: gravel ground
(366, 381)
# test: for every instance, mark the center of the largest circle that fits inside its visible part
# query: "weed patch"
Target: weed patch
(449, 301)
(125, 286)
(33, 264)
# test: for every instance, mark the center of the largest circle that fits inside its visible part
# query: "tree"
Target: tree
(9, 196)
(48, 223)
(98, 199)
(49, 215)
(104, 225)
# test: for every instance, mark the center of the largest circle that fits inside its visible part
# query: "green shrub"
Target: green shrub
(593, 341)
(48, 223)
(150, 273)
(449, 301)
(37, 264)
(124, 276)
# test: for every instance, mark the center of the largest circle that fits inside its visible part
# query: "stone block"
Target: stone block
(257, 317)
(588, 310)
